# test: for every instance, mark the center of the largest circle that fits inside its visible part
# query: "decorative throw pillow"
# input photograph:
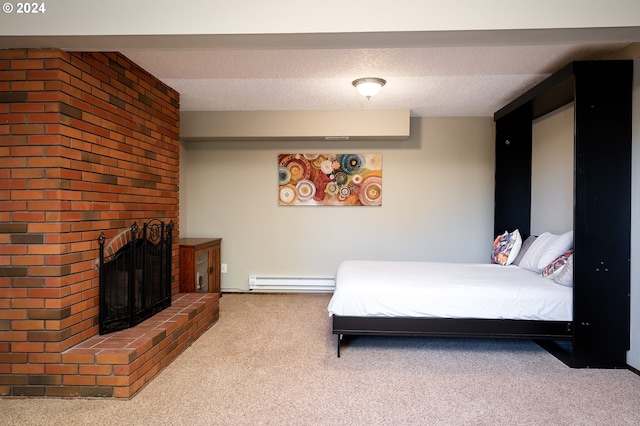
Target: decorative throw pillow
(506, 247)
(556, 265)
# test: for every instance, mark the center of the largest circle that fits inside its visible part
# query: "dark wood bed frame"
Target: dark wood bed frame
(598, 336)
(444, 327)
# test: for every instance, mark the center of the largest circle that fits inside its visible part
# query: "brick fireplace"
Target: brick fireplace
(89, 142)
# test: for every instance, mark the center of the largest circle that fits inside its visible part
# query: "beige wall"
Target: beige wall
(437, 203)
(552, 172)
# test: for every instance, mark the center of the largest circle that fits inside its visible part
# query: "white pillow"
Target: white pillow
(525, 246)
(545, 249)
(565, 275)
(556, 247)
(530, 259)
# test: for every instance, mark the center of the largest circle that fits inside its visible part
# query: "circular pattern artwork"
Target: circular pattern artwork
(287, 194)
(327, 167)
(330, 179)
(351, 163)
(305, 189)
(341, 178)
(284, 175)
(299, 167)
(332, 188)
(371, 191)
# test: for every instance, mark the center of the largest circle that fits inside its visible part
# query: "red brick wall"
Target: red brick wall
(88, 143)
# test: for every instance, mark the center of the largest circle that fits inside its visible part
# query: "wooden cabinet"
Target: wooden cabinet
(200, 265)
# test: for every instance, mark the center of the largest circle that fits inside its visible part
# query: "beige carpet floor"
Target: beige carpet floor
(271, 360)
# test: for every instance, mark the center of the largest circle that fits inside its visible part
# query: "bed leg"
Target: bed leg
(339, 341)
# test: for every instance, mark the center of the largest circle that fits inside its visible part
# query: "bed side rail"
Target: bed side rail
(451, 327)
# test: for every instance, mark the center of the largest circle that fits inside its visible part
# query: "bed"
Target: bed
(515, 297)
(598, 331)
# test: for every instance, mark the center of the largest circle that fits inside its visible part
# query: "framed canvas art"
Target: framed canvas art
(330, 179)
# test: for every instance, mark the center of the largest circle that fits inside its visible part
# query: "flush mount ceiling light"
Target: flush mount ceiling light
(368, 86)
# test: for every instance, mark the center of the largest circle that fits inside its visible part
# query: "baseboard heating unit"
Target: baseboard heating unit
(292, 284)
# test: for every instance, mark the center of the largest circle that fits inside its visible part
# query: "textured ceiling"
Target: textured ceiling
(430, 81)
(440, 58)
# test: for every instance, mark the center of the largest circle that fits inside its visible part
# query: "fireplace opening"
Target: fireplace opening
(135, 275)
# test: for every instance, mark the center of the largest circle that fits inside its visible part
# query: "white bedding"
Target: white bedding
(447, 290)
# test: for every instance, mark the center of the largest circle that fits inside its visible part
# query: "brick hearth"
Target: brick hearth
(121, 363)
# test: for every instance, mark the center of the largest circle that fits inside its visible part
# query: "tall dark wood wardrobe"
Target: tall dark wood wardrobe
(602, 95)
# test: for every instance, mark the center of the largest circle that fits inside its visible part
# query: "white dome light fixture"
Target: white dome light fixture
(368, 86)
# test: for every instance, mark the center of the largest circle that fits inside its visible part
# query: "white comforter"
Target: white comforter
(447, 290)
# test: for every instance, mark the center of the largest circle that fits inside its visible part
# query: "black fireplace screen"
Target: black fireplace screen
(135, 281)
